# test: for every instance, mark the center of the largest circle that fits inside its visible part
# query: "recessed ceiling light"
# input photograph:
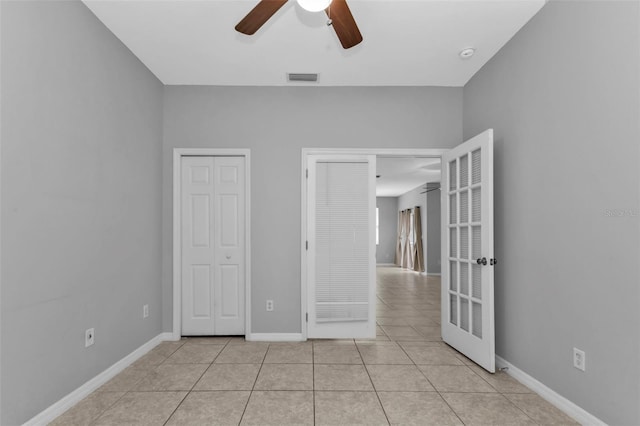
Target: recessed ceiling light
(467, 52)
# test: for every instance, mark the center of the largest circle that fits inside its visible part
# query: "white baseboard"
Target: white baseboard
(274, 337)
(562, 403)
(58, 408)
(434, 273)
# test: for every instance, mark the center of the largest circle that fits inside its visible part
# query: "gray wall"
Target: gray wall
(81, 202)
(563, 98)
(414, 198)
(432, 237)
(275, 123)
(387, 229)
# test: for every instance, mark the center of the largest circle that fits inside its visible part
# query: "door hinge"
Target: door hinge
(307, 173)
(306, 317)
(307, 244)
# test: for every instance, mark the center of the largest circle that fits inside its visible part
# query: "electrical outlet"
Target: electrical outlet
(579, 359)
(145, 311)
(269, 305)
(89, 337)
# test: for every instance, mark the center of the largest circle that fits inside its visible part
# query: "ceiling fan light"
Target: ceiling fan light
(314, 5)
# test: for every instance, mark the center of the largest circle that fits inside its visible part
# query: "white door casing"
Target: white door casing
(340, 255)
(467, 303)
(211, 272)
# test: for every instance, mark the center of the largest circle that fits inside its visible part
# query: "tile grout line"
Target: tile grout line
(194, 383)
(96, 418)
(313, 381)
(373, 386)
(254, 384)
(502, 394)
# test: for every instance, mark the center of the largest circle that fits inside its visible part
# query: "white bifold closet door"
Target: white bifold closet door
(467, 249)
(213, 259)
(341, 246)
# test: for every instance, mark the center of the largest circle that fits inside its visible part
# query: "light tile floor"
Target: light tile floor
(407, 375)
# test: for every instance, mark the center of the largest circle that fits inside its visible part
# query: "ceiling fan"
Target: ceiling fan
(337, 10)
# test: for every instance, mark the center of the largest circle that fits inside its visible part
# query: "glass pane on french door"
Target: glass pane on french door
(465, 234)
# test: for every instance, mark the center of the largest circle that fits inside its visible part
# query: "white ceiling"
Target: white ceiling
(406, 42)
(399, 175)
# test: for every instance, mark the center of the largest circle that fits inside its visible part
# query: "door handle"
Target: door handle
(228, 256)
(482, 261)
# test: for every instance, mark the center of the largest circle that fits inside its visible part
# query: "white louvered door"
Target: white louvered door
(341, 246)
(467, 250)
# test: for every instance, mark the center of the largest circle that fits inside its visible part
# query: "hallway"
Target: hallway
(406, 376)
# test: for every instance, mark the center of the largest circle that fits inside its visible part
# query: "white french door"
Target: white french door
(341, 246)
(213, 254)
(467, 249)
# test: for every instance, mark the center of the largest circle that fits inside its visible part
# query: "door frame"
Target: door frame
(178, 153)
(387, 152)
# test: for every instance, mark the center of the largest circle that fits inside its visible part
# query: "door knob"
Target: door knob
(482, 261)
(228, 256)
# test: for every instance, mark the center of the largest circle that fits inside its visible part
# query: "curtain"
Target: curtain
(418, 258)
(407, 260)
(398, 259)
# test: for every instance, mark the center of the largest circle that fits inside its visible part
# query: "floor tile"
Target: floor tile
(195, 354)
(391, 321)
(337, 354)
(417, 408)
(240, 340)
(486, 409)
(207, 340)
(285, 377)
(149, 361)
(172, 377)
(348, 408)
(289, 354)
(141, 408)
(400, 331)
(501, 381)
(383, 354)
(450, 378)
(126, 380)
(431, 355)
(341, 377)
(398, 378)
(242, 354)
(421, 322)
(210, 408)
(167, 348)
(332, 342)
(228, 377)
(541, 411)
(279, 408)
(363, 342)
(87, 410)
(431, 332)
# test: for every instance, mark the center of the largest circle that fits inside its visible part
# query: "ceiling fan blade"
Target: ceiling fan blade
(344, 24)
(258, 16)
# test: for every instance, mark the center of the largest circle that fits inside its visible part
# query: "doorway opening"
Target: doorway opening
(351, 309)
(342, 197)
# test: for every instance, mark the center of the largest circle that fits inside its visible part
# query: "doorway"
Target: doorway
(311, 302)
(211, 244)
(467, 322)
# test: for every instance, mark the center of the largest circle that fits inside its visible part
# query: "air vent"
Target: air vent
(302, 77)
